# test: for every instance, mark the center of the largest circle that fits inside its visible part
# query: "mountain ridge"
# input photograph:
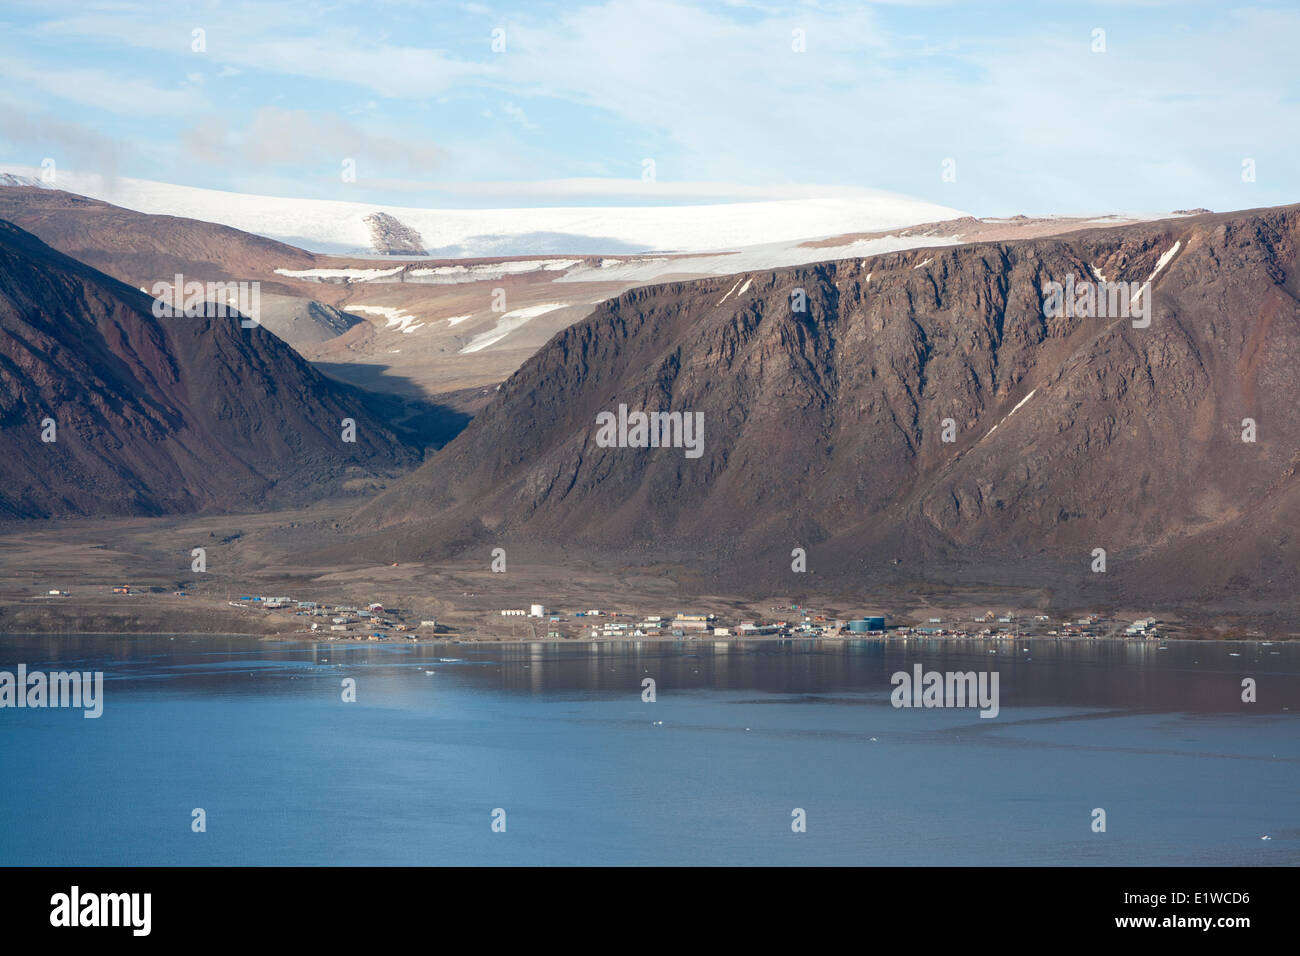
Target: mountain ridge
(824, 428)
(158, 416)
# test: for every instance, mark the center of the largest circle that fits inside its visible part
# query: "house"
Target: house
(691, 622)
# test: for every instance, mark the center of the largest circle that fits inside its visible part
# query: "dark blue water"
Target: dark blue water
(558, 736)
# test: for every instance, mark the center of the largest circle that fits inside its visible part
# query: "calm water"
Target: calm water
(741, 734)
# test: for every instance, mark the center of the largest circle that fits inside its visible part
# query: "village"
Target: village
(373, 621)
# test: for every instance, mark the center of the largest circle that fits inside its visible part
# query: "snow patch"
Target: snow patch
(395, 317)
(487, 271)
(508, 323)
(1165, 259)
(348, 275)
(1012, 412)
(747, 259)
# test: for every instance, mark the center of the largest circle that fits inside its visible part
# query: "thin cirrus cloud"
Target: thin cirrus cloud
(99, 87)
(278, 137)
(881, 96)
(267, 39)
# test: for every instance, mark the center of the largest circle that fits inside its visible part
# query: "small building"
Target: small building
(537, 610)
(431, 622)
(122, 589)
(691, 622)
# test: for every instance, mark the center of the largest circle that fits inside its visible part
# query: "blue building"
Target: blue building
(867, 625)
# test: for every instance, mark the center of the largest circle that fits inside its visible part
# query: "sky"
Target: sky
(992, 108)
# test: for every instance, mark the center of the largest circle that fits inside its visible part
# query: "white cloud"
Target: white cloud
(102, 89)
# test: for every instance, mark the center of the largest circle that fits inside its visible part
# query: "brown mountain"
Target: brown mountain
(823, 428)
(136, 247)
(141, 249)
(160, 415)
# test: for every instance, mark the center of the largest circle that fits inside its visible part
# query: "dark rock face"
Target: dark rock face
(159, 415)
(823, 428)
(393, 237)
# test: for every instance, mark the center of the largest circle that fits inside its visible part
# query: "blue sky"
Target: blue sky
(714, 93)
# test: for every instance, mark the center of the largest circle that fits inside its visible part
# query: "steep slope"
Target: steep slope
(823, 429)
(135, 247)
(141, 249)
(159, 415)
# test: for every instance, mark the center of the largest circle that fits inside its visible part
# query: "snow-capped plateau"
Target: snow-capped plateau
(332, 226)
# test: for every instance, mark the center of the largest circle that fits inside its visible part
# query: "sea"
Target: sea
(229, 750)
